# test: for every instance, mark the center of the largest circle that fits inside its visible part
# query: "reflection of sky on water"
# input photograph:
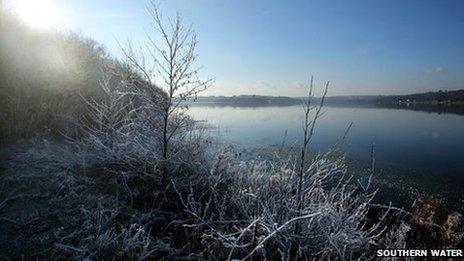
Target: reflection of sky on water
(432, 134)
(411, 139)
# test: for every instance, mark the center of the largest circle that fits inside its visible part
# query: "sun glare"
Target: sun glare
(43, 14)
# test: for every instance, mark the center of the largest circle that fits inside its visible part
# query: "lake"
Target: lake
(412, 141)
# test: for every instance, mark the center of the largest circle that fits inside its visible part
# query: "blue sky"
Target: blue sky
(271, 47)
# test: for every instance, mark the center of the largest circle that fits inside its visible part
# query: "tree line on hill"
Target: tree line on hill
(453, 98)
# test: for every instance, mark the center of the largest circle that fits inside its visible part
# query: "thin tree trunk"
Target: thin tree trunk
(165, 149)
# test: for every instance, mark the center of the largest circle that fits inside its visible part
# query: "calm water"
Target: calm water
(420, 141)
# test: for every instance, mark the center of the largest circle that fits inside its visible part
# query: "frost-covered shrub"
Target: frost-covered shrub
(125, 129)
(246, 209)
(100, 236)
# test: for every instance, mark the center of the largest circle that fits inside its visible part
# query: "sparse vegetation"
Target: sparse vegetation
(43, 77)
(105, 193)
(173, 63)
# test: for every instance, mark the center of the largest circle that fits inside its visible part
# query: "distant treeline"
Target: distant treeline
(247, 100)
(440, 98)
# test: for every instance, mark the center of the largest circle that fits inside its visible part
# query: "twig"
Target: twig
(277, 230)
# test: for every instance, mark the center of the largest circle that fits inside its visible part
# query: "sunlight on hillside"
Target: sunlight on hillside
(43, 14)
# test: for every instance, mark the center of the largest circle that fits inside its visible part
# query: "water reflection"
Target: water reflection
(417, 140)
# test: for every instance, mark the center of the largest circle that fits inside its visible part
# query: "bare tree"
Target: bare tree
(308, 131)
(309, 124)
(173, 56)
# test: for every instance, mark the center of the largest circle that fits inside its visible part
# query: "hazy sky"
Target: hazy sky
(271, 47)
